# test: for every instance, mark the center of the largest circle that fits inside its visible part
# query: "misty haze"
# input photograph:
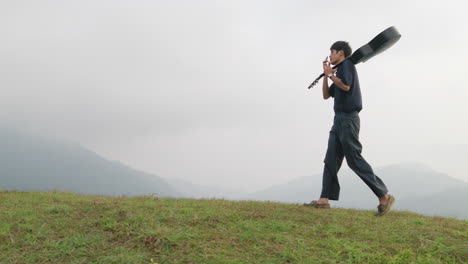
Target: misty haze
(209, 99)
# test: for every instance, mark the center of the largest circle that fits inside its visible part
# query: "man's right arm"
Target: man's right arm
(325, 88)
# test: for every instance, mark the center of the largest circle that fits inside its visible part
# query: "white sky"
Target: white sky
(215, 92)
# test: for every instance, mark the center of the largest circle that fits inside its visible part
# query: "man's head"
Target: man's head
(339, 51)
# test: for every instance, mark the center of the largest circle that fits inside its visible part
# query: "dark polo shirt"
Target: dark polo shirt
(351, 100)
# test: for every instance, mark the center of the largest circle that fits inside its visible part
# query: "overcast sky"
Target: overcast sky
(215, 92)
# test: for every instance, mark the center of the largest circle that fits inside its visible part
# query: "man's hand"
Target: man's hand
(337, 81)
(325, 88)
(326, 67)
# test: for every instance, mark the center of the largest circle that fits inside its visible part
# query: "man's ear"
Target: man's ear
(341, 52)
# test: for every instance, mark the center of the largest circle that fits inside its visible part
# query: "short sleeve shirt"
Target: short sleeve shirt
(351, 100)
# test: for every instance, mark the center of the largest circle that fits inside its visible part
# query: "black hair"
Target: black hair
(342, 45)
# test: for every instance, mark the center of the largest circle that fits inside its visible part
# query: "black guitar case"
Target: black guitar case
(377, 45)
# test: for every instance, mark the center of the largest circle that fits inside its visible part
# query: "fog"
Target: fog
(215, 92)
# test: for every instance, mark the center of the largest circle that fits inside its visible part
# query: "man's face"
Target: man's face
(335, 56)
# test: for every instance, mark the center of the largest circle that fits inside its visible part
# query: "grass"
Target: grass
(59, 227)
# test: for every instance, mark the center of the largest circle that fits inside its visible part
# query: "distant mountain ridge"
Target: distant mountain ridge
(32, 163)
(196, 191)
(28, 163)
(416, 186)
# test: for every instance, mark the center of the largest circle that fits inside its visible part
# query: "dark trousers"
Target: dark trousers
(344, 142)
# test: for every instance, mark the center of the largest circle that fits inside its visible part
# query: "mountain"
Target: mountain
(449, 203)
(417, 188)
(30, 162)
(196, 191)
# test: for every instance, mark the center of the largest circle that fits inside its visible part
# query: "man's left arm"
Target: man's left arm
(337, 81)
(344, 73)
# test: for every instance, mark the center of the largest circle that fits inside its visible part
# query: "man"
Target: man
(344, 135)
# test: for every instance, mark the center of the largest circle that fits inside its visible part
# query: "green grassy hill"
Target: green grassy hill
(56, 227)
